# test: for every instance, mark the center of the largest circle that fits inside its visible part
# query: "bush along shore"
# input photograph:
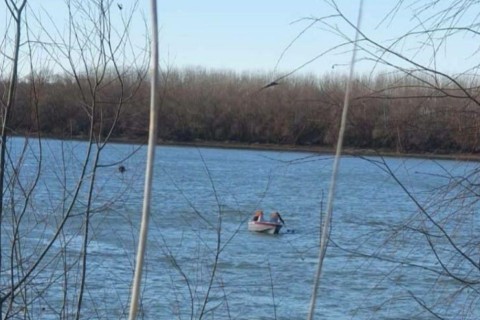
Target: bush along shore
(395, 114)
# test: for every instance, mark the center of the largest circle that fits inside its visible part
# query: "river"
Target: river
(396, 252)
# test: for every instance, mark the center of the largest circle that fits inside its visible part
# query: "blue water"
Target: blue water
(387, 260)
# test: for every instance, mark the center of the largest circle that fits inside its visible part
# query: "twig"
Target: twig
(149, 170)
(326, 225)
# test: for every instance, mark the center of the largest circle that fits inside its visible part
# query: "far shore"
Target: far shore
(319, 150)
(294, 148)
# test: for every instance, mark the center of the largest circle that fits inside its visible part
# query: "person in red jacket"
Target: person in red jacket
(258, 216)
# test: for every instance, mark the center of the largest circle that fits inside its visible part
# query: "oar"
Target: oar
(280, 217)
(283, 222)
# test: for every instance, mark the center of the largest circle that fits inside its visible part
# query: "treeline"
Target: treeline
(386, 112)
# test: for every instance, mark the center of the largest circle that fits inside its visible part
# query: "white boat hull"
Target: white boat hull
(264, 227)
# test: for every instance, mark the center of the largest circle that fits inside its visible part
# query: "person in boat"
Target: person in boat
(275, 217)
(258, 216)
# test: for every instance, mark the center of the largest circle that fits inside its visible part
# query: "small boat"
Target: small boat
(264, 226)
(258, 224)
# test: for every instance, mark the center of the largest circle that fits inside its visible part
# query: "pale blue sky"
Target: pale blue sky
(250, 35)
(246, 35)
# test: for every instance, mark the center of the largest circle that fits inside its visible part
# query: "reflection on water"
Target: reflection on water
(380, 263)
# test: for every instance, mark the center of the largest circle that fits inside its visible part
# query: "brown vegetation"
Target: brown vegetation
(387, 112)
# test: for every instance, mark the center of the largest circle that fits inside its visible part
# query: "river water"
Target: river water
(397, 252)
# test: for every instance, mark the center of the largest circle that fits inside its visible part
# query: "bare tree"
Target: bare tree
(441, 234)
(95, 54)
(16, 11)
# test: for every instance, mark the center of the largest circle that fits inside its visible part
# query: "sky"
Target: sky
(247, 35)
(257, 36)
(253, 35)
